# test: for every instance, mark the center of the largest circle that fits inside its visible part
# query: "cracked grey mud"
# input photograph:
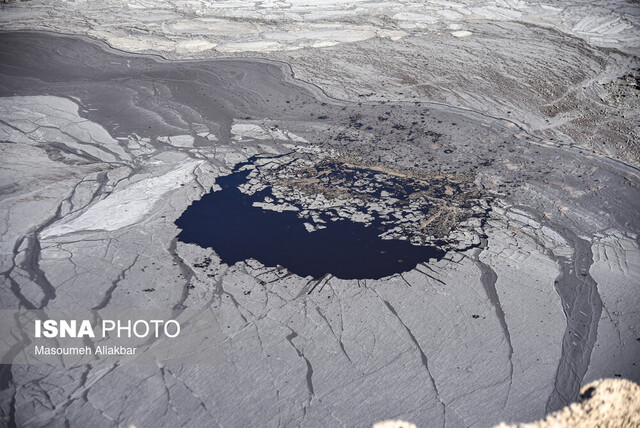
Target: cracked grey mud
(532, 290)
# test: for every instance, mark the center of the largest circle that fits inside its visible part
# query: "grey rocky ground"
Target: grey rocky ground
(102, 152)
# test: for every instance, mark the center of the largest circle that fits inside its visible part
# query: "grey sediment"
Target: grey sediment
(514, 167)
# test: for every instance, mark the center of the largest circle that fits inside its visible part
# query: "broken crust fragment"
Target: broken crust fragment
(605, 403)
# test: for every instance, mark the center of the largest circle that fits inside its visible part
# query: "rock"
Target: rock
(605, 403)
(394, 424)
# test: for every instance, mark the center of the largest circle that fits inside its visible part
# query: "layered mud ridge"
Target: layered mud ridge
(533, 286)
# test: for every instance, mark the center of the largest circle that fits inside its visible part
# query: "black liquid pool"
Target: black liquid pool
(227, 222)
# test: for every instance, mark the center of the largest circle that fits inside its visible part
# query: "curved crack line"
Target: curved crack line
(309, 375)
(488, 278)
(114, 284)
(423, 356)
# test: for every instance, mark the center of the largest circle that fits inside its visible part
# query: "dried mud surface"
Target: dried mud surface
(538, 293)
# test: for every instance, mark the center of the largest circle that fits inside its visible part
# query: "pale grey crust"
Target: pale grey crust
(555, 69)
(507, 330)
